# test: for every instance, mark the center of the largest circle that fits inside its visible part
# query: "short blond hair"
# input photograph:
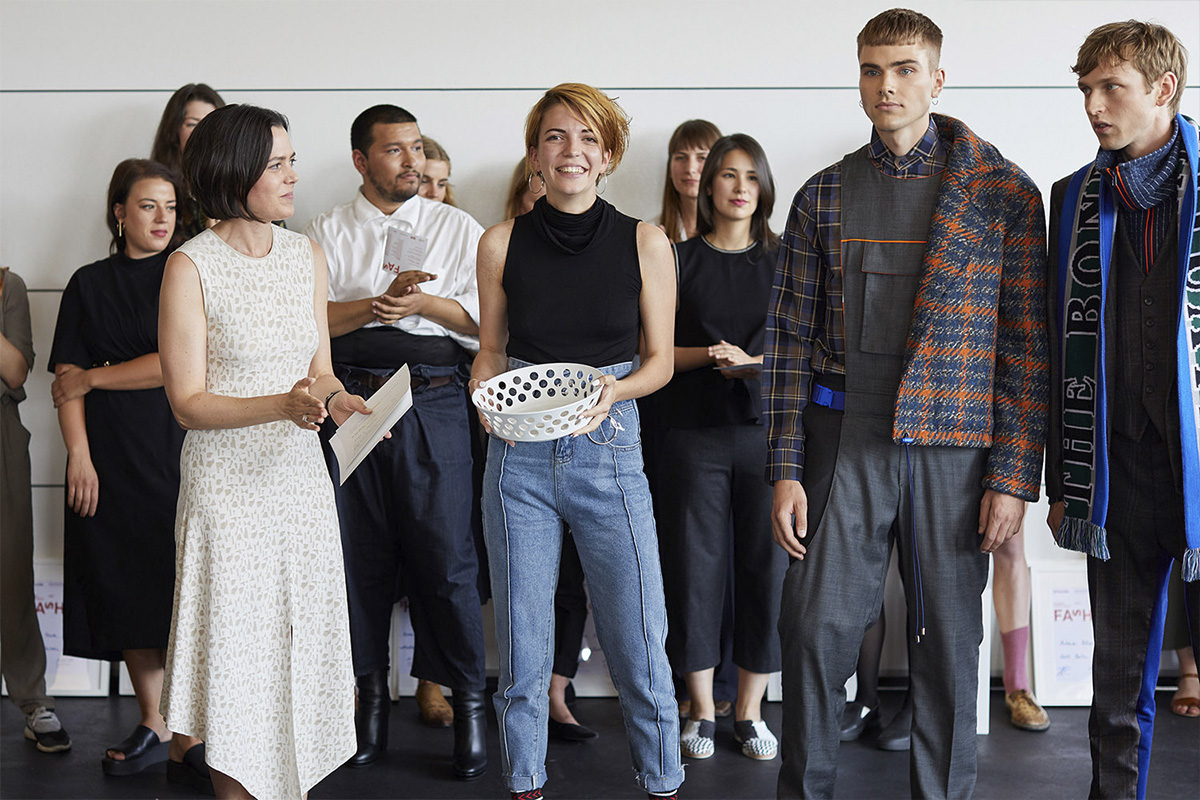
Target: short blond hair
(901, 26)
(1149, 48)
(590, 106)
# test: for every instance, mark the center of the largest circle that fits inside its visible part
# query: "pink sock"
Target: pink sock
(1016, 648)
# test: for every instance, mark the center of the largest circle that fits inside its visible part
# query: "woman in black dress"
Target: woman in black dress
(122, 455)
(713, 447)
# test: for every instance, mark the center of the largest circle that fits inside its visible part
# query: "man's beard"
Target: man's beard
(392, 194)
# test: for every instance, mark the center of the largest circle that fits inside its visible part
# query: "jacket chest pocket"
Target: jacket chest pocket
(891, 273)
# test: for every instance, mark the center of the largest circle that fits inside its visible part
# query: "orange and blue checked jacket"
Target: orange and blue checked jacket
(975, 372)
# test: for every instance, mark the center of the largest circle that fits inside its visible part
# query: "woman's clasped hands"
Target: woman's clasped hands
(301, 407)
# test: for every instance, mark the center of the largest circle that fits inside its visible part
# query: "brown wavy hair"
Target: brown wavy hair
(695, 134)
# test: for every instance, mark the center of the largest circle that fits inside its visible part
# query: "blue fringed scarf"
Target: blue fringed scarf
(1084, 256)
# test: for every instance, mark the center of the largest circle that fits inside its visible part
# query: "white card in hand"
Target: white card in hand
(358, 435)
(403, 251)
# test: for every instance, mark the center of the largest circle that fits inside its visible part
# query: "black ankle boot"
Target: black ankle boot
(371, 718)
(470, 735)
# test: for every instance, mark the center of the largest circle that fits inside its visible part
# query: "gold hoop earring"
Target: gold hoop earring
(529, 183)
(602, 184)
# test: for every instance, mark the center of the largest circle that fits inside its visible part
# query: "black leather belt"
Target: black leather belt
(374, 382)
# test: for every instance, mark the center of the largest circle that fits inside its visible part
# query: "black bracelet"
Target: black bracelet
(329, 396)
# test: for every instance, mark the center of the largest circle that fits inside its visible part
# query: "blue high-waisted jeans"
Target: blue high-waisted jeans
(596, 485)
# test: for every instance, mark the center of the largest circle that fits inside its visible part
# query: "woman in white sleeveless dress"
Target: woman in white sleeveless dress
(258, 663)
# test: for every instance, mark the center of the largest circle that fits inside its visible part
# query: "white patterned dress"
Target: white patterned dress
(259, 664)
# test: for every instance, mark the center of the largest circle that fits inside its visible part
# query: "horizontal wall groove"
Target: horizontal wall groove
(453, 89)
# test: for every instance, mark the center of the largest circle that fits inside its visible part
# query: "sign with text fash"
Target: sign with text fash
(1063, 637)
(403, 252)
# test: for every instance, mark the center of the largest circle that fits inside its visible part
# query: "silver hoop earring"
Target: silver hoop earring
(860, 105)
(602, 184)
(529, 183)
(935, 101)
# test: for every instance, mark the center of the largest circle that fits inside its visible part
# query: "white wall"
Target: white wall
(82, 84)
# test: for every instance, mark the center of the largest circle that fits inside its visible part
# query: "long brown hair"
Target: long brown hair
(166, 148)
(696, 134)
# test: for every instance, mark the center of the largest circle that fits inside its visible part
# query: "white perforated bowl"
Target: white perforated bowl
(538, 403)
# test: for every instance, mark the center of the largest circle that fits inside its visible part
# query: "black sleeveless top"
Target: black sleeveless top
(723, 294)
(573, 282)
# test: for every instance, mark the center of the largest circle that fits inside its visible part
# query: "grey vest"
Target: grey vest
(885, 224)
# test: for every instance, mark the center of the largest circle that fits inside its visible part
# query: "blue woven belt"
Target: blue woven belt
(830, 398)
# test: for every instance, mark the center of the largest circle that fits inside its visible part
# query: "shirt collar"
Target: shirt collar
(405, 217)
(928, 150)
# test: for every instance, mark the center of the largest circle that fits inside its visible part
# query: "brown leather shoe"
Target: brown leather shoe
(1025, 713)
(435, 711)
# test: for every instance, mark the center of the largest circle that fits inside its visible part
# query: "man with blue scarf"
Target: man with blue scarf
(1123, 458)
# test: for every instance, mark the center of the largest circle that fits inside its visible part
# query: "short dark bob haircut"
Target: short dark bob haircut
(760, 227)
(226, 155)
(127, 173)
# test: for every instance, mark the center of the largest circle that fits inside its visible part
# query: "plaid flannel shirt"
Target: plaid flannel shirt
(806, 329)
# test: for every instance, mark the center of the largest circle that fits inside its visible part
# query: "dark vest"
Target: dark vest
(885, 224)
(1142, 313)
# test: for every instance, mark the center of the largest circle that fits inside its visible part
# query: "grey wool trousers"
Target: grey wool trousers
(860, 486)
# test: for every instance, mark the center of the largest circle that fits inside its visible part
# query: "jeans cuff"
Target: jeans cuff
(661, 783)
(524, 783)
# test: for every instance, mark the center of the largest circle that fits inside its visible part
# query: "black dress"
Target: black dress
(119, 565)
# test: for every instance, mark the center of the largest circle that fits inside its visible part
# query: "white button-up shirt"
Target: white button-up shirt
(353, 237)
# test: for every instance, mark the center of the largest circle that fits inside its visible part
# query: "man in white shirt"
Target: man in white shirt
(406, 512)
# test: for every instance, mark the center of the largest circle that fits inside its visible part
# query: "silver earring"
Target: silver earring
(602, 184)
(935, 101)
(529, 183)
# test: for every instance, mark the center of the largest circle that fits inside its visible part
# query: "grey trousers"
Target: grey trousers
(859, 485)
(22, 652)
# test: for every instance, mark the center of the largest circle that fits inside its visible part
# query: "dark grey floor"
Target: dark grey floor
(1012, 764)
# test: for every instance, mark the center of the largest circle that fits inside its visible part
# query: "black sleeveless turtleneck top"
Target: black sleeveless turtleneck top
(573, 282)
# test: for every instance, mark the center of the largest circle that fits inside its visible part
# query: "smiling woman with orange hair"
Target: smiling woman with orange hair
(622, 283)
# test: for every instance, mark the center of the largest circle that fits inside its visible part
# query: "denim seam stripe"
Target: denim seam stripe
(508, 595)
(662, 760)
